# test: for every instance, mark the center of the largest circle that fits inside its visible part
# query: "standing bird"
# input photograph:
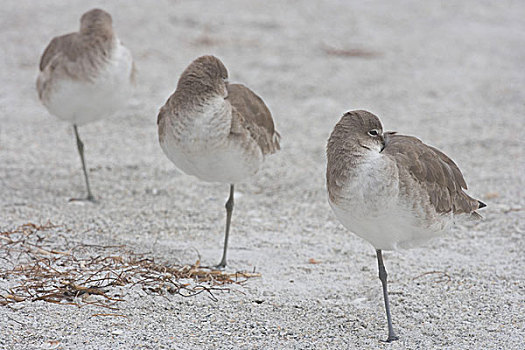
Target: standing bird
(86, 75)
(392, 190)
(216, 131)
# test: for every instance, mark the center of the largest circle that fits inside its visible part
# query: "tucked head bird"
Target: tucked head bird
(216, 131)
(86, 75)
(392, 190)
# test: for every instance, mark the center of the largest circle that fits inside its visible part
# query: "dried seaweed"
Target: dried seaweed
(439, 276)
(86, 274)
(356, 52)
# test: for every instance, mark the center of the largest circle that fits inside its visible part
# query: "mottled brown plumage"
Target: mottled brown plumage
(250, 112)
(418, 167)
(207, 77)
(436, 173)
(78, 55)
(344, 149)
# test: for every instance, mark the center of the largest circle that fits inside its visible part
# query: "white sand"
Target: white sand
(451, 74)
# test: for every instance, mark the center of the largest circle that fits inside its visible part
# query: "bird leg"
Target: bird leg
(80, 146)
(382, 276)
(229, 211)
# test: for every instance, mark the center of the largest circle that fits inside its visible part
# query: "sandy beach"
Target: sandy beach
(450, 73)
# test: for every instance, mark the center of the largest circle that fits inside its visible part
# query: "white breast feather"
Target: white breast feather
(80, 101)
(371, 206)
(202, 146)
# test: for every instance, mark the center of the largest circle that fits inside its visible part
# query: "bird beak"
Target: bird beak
(382, 138)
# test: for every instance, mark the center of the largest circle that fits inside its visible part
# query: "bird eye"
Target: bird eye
(373, 132)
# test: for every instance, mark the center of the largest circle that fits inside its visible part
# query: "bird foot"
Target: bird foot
(89, 198)
(221, 265)
(391, 338)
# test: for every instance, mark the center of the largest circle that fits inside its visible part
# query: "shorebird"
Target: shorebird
(216, 131)
(86, 75)
(392, 190)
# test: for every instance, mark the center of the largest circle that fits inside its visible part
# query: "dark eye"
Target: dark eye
(373, 132)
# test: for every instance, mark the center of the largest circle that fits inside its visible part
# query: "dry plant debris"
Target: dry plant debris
(83, 274)
(360, 53)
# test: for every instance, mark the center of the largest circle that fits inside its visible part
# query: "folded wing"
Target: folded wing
(436, 173)
(249, 112)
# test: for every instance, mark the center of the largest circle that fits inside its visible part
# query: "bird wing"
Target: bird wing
(439, 176)
(249, 112)
(60, 45)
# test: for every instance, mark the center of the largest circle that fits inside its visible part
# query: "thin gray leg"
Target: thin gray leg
(382, 276)
(80, 146)
(229, 211)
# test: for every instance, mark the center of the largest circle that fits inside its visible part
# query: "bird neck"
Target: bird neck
(196, 95)
(344, 158)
